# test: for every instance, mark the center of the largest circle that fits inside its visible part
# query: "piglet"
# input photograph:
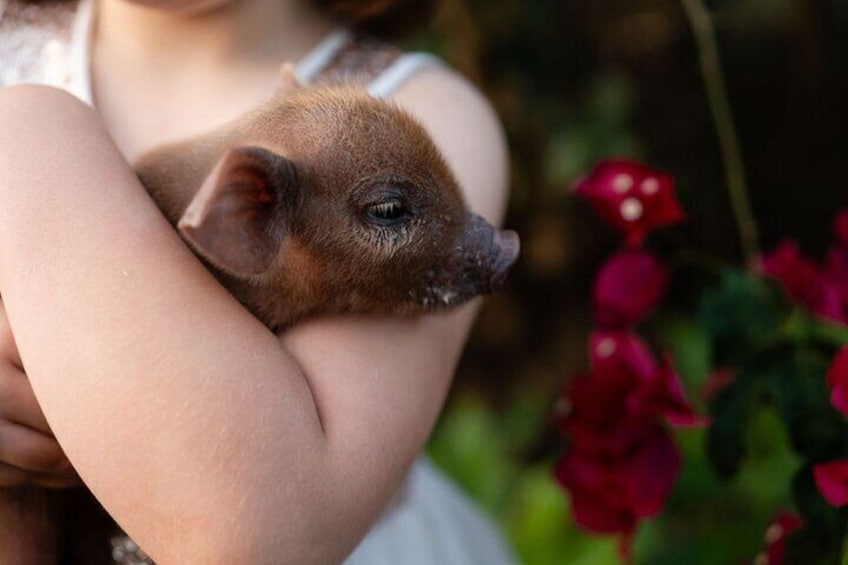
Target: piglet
(327, 200)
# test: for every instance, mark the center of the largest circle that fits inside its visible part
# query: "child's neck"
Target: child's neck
(161, 75)
(234, 31)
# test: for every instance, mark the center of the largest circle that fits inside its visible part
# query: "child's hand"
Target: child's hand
(29, 454)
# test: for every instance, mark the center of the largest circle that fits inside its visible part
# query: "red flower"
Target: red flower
(627, 287)
(621, 462)
(626, 388)
(671, 399)
(717, 381)
(796, 273)
(610, 495)
(832, 481)
(631, 197)
(612, 351)
(783, 525)
(598, 420)
(837, 379)
(597, 502)
(822, 288)
(840, 228)
(654, 389)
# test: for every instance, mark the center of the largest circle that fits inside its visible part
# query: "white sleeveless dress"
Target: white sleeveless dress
(430, 522)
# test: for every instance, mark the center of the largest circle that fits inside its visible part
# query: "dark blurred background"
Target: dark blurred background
(575, 81)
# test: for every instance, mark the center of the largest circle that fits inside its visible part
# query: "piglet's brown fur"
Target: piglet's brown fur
(327, 200)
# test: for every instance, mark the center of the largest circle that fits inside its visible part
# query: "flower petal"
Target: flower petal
(613, 352)
(677, 409)
(593, 414)
(627, 287)
(832, 481)
(796, 273)
(780, 528)
(823, 289)
(597, 503)
(837, 379)
(649, 474)
(717, 380)
(840, 228)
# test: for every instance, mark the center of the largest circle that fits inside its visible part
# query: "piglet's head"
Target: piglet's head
(342, 203)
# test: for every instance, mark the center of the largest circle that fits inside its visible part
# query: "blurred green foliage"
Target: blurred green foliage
(579, 80)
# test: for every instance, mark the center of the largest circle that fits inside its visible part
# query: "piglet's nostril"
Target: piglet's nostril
(507, 245)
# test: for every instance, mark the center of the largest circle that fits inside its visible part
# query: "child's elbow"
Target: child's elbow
(262, 536)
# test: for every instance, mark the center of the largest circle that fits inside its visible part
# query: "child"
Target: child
(209, 439)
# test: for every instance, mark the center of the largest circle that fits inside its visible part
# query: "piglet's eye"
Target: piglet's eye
(387, 212)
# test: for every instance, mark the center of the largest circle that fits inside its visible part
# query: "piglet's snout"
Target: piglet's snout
(488, 254)
(477, 263)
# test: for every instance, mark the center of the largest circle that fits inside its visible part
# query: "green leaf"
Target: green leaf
(830, 333)
(741, 315)
(540, 526)
(790, 377)
(688, 343)
(796, 377)
(731, 412)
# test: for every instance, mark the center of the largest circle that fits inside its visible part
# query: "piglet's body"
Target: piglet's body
(327, 200)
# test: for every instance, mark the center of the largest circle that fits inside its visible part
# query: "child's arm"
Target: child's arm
(208, 441)
(30, 459)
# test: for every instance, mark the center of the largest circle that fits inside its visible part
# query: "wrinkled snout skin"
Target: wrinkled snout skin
(477, 263)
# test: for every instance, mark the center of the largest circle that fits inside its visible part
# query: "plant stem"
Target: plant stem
(702, 27)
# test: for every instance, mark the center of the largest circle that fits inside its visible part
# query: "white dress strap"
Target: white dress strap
(400, 71)
(80, 52)
(320, 56)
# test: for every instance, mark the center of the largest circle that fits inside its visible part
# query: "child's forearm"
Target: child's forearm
(128, 343)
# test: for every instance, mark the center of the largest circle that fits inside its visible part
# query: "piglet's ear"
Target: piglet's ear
(287, 81)
(235, 219)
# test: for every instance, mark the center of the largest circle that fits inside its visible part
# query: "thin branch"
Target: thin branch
(702, 27)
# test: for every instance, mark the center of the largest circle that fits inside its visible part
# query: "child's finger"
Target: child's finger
(30, 450)
(11, 477)
(17, 400)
